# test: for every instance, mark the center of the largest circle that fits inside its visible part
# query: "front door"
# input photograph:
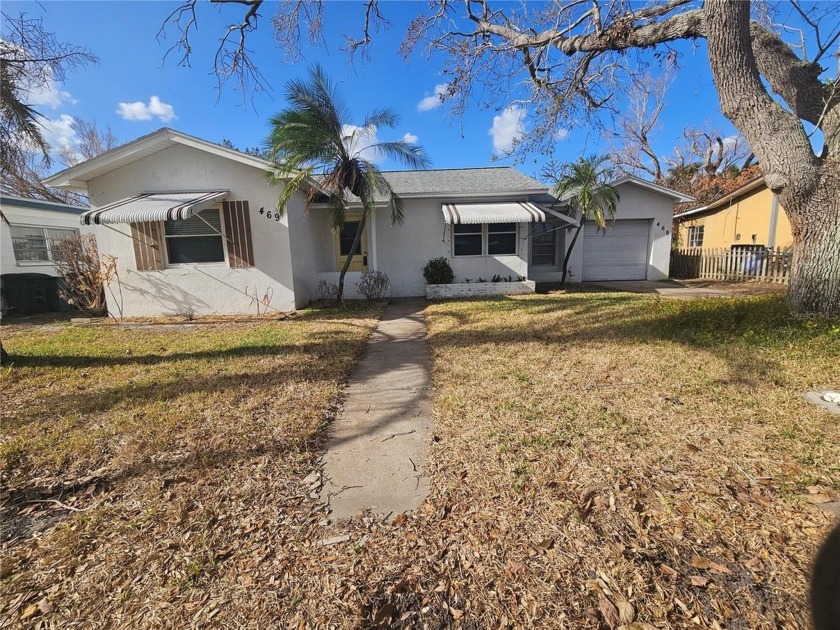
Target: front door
(344, 242)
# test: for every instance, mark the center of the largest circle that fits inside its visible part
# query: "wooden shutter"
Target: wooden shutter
(147, 240)
(238, 232)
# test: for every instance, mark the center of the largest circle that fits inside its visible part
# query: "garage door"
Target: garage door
(619, 253)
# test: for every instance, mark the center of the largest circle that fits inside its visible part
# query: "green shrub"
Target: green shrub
(438, 271)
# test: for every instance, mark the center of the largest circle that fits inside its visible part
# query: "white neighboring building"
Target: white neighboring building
(194, 229)
(28, 236)
(27, 241)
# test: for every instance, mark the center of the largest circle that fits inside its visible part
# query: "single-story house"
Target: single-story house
(749, 215)
(29, 233)
(194, 228)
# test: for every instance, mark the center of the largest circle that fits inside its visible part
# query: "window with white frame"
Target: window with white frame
(695, 235)
(494, 239)
(38, 244)
(195, 240)
(501, 239)
(467, 239)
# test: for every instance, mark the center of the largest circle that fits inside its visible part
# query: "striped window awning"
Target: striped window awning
(153, 207)
(500, 212)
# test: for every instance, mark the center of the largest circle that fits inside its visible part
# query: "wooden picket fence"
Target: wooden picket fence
(738, 265)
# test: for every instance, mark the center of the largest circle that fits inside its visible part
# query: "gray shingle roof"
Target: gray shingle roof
(501, 180)
(498, 179)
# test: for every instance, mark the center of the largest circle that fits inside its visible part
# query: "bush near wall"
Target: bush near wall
(438, 271)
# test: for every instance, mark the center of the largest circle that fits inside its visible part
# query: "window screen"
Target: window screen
(501, 238)
(32, 244)
(466, 239)
(195, 240)
(544, 245)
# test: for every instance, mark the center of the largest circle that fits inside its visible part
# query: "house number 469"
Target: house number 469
(270, 214)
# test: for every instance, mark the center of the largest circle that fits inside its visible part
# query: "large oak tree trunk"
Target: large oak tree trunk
(815, 276)
(807, 186)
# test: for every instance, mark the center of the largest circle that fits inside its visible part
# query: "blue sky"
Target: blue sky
(135, 92)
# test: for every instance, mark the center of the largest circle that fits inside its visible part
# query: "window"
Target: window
(346, 238)
(501, 239)
(36, 244)
(494, 239)
(544, 245)
(695, 235)
(467, 239)
(195, 240)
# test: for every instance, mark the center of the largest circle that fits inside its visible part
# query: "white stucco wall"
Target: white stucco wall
(635, 202)
(403, 250)
(31, 217)
(201, 288)
(313, 251)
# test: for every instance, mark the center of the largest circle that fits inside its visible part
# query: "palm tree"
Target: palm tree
(312, 136)
(583, 186)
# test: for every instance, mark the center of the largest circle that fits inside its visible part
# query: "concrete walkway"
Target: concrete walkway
(378, 445)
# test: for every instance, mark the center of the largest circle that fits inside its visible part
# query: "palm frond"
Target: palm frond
(382, 118)
(290, 186)
(411, 155)
(337, 209)
(308, 136)
(584, 183)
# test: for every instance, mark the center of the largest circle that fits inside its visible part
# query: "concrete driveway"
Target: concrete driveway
(665, 288)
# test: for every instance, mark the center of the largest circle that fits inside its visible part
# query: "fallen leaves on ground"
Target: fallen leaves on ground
(568, 490)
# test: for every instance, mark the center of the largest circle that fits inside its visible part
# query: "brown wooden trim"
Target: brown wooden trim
(147, 241)
(238, 231)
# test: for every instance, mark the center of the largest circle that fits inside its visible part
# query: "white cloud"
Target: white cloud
(730, 143)
(507, 128)
(561, 134)
(139, 110)
(435, 100)
(359, 140)
(410, 138)
(50, 95)
(59, 133)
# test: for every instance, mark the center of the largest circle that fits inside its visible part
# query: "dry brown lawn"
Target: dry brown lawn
(136, 461)
(598, 459)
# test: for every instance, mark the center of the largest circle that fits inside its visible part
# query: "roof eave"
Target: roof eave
(77, 177)
(715, 205)
(664, 190)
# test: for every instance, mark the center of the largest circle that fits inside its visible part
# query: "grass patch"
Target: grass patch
(609, 445)
(590, 450)
(156, 443)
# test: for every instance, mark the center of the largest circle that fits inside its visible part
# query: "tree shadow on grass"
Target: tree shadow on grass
(95, 361)
(318, 343)
(716, 325)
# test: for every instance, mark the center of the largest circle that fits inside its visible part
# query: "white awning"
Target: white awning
(152, 207)
(492, 212)
(501, 212)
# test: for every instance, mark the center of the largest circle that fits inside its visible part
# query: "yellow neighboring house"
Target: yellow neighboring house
(749, 215)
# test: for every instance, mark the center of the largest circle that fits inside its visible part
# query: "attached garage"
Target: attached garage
(621, 252)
